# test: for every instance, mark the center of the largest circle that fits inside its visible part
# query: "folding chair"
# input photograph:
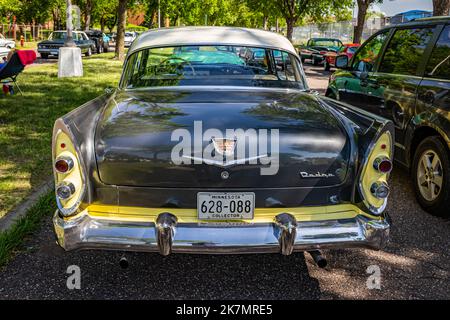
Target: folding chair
(15, 66)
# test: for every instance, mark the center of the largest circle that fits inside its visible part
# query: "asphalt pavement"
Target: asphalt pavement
(415, 265)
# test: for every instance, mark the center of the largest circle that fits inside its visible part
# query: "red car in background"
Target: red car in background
(347, 49)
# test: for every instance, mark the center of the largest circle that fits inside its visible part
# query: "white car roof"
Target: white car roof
(167, 37)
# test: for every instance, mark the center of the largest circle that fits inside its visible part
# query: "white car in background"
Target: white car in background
(129, 38)
(3, 53)
(10, 44)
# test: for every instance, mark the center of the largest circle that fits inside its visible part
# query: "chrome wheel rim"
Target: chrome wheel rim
(430, 175)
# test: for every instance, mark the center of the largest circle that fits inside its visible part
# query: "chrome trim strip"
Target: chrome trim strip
(87, 232)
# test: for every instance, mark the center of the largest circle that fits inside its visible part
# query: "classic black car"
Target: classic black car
(316, 48)
(101, 40)
(402, 73)
(57, 39)
(202, 151)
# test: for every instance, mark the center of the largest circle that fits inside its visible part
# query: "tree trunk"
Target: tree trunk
(359, 28)
(120, 46)
(87, 17)
(265, 22)
(441, 7)
(102, 24)
(290, 28)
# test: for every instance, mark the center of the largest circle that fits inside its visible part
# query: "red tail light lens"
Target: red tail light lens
(384, 165)
(63, 164)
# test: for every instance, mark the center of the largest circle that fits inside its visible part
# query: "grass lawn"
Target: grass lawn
(26, 121)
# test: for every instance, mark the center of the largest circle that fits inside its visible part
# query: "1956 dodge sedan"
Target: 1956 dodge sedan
(206, 147)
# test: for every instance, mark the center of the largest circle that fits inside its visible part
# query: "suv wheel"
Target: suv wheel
(431, 176)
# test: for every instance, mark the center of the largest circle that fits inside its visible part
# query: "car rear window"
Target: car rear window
(439, 63)
(212, 65)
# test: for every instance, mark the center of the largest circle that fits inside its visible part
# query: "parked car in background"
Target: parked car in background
(330, 57)
(112, 38)
(57, 39)
(101, 40)
(4, 53)
(402, 73)
(130, 36)
(316, 48)
(6, 43)
(202, 151)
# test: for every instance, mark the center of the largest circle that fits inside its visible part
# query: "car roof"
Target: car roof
(422, 21)
(328, 39)
(74, 31)
(167, 37)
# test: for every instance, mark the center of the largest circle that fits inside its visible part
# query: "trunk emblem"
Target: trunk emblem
(315, 175)
(224, 146)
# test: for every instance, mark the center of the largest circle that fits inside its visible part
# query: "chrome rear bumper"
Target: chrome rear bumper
(284, 235)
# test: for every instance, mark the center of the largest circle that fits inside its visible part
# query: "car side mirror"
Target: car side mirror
(342, 62)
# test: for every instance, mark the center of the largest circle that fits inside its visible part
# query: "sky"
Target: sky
(392, 7)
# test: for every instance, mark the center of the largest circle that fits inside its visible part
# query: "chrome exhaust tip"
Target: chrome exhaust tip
(287, 227)
(165, 231)
(123, 263)
(319, 260)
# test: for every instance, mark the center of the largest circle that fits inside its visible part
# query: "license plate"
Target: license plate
(225, 205)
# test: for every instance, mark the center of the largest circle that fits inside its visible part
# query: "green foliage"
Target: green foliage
(26, 121)
(12, 239)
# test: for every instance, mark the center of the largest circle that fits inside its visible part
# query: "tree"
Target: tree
(87, 15)
(441, 7)
(293, 10)
(122, 21)
(267, 9)
(363, 5)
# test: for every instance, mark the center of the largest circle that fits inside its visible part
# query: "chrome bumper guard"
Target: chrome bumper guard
(166, 236)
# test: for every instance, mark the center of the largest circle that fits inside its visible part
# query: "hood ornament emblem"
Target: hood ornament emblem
(224, 147)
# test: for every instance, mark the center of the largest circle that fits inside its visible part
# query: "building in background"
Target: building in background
(410, 15)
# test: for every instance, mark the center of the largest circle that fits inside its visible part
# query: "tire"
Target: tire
(432, 196)
(89, 52)
(326, 66)
(44, 56)
(330, 94)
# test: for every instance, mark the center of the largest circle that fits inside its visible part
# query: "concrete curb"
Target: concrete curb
(21, 209)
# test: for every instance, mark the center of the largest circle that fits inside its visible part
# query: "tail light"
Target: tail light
(373, 185)
(383, 164)
(379, 190)
(69, 176)
(65, 190)
(64, 164)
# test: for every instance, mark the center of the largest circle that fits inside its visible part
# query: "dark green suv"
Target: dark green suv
(402, 73)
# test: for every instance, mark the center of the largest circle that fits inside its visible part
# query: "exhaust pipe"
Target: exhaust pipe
(287, 228)
(165, 230)
(320, 261)
(123, 263)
